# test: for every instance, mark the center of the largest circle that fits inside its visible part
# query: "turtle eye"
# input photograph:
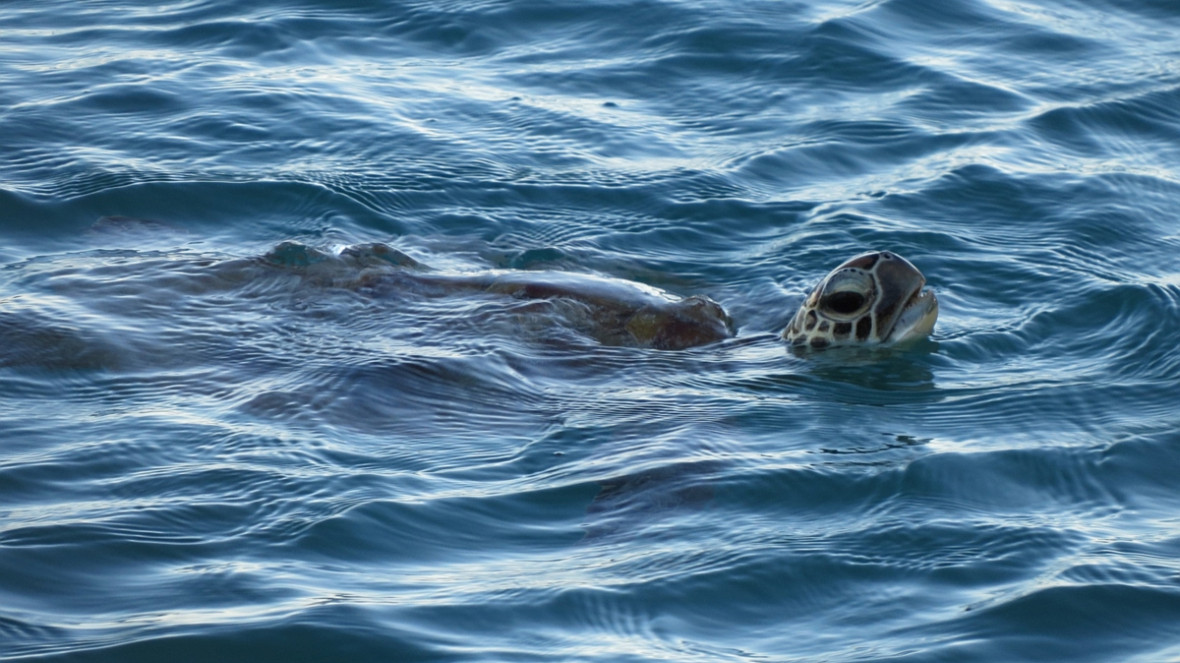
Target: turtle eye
(844, 302)
(846, 292)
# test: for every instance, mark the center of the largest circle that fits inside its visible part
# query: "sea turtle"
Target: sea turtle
(874, 298)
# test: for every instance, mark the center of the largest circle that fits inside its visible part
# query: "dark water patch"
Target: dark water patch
(267, 635)
(1139, 463)
(1151, 8)
(1122, 323)
(30, 343)
(1112, 127)
(130, 99)
(424, 532)
(26, 636)
(1008, 481)
(1086, 630)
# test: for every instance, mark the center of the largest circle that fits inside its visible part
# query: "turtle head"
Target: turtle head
(876, 297)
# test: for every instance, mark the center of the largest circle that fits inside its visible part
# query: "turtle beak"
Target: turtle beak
(906, 310)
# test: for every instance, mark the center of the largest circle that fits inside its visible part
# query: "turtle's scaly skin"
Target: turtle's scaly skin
(873, 298)
(617, 312)
(624, 312)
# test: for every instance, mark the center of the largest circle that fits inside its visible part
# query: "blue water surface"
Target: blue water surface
(220, 441)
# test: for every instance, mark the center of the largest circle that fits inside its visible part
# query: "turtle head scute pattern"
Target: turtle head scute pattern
(874, 298)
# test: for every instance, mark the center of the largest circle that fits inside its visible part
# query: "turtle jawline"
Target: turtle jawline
(912, 321)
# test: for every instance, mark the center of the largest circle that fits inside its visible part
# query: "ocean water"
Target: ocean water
(220, 442)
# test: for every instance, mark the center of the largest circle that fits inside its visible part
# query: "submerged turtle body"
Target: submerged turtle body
(636, 315)
(618, 312)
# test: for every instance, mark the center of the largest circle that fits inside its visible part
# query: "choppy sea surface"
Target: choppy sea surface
(216, 443)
